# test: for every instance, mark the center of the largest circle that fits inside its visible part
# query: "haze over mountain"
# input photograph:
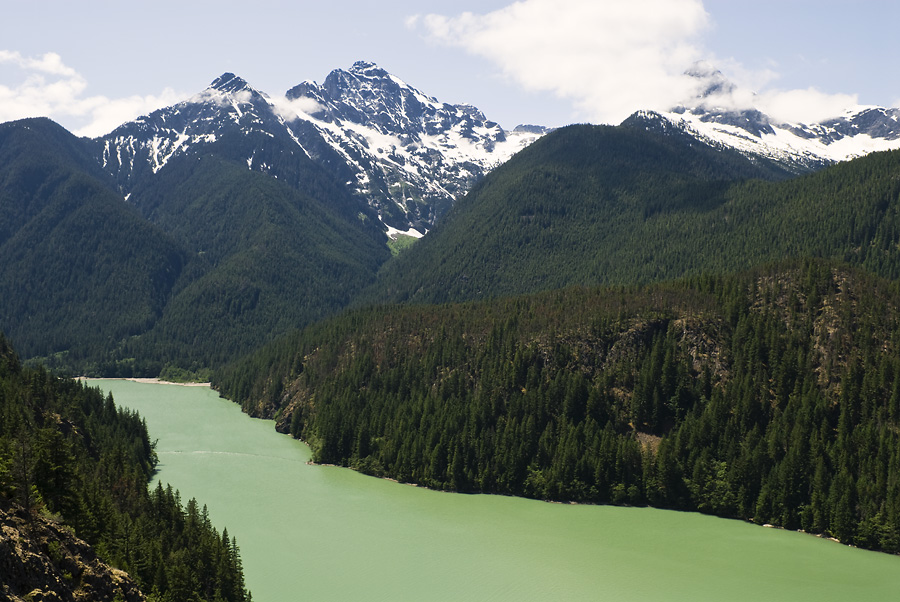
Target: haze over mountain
(718, 114)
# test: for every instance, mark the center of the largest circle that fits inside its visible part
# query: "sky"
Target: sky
(94, 64)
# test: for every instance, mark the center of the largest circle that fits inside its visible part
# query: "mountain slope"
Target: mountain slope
(80, 268)
(222, 259)
(230, 119)
(595, 205)
(31, 572)
(413, 154)
(265, 259)
(72, 462)
(583, 205)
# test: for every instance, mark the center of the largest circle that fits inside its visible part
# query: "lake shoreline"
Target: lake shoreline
(573, 503)
(406, 540)
(311, 462)
(147, 381)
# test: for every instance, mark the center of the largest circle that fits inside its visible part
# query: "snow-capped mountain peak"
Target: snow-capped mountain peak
(230, 83)
(151, 141)
(722, 113)
(711, 82)
(412, 153)
(399, 151)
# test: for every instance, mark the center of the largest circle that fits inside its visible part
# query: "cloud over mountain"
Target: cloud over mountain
(612, 58)
(46, 87)
(609, 58)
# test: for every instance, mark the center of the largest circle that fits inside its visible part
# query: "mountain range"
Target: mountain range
(402, 154)
(408, 156)
(194, 234)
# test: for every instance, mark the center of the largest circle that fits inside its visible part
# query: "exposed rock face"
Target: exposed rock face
(399, 153)
(41, 560)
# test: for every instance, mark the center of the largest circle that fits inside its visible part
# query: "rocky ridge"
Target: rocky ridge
(399, 152)
(43, 561)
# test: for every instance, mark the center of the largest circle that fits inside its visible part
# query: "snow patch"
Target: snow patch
(784, 144)
(393, 233)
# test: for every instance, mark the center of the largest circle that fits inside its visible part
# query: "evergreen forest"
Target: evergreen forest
(67, 452)
(772, 396)
(593, 205)
(203, 262)
(616, 315)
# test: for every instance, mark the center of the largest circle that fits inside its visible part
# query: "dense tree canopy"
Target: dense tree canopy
(591, 205)
(202, 262)
(67, 450)
(771, 396)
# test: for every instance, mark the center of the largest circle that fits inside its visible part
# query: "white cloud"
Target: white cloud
(804, 106)
(47, 87)
(614, 57)
(610, 58)
(50, 63)
(301, 106)
(792, 106)
(223, 99)
(105, 114)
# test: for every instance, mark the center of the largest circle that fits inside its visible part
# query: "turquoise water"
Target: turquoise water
(325, 533)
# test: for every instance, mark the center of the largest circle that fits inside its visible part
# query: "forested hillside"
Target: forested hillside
(207, 259)
(266, 258)
(79, 268)
(203, 262)
(772, 396)
(67, 453)
(592, 205)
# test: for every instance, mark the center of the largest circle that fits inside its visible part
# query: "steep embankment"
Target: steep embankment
(71, 462)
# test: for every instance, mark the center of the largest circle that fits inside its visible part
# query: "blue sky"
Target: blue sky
(92, 65)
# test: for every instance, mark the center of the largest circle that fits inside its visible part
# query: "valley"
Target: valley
(695, 310)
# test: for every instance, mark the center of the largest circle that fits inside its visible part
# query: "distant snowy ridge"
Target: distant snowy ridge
(403, 153)
(405, 156)
(798, 147)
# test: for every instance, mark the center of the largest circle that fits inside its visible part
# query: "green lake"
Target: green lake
(330, 534)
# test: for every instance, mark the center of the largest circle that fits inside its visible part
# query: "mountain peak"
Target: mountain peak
(229, 82)
(712, 82)
(366, 67)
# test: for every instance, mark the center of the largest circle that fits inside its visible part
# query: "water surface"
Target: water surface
(325, 533)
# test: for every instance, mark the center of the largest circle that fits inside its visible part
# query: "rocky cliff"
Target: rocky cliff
(42, 560)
